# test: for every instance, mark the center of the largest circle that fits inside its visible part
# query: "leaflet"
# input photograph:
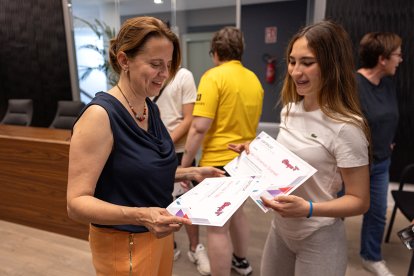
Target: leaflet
(269, 170)
(281, 170)
(214, 200)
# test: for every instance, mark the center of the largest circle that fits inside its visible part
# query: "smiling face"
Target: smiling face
(304, 71)
(149, 69)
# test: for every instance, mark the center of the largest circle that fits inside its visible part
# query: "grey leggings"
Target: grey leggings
(322, 253)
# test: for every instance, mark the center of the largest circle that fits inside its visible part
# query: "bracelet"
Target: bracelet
(310, 209)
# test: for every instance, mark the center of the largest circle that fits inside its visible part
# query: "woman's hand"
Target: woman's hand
(186, 185)
(200, 173)
(197, 173)
(161, 223)
(239, 147)
(288, 206)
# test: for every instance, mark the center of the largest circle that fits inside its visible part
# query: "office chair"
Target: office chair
(19, 112)
(404, 201)
(66, 114)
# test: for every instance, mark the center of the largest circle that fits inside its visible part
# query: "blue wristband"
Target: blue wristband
(310, 209)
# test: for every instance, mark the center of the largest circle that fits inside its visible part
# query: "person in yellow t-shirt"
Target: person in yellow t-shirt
(227, 111)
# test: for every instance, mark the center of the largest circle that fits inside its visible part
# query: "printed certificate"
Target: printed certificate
(214, 200)
(282, 171)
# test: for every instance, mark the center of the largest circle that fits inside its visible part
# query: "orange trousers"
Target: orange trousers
(122, 253)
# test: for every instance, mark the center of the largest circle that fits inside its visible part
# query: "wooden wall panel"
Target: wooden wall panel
(33, 56)
(33, 181)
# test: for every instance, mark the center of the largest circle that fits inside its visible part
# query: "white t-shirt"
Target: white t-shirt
(327, 145)
(181, 90)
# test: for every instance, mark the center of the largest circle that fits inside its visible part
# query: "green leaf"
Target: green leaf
(104, 31)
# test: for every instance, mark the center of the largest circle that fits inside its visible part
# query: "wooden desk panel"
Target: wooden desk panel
(46, 135)
(33, 179)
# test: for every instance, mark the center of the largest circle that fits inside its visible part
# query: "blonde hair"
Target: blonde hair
(338, 95)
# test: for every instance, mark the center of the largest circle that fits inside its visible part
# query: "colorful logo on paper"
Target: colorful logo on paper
(221, 208)
(281, 190)
(181, 214)
(286, 162)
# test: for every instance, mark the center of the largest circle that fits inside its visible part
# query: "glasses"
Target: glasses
(397, 54)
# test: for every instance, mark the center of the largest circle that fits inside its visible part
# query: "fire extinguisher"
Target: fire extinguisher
(270, 68)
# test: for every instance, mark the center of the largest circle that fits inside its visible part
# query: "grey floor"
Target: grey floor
(395, 254)
(28, 251)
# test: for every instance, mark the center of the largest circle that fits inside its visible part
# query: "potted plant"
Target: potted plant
(105, 32)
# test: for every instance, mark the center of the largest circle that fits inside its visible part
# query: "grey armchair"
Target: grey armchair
(66, 114)
(19, 112)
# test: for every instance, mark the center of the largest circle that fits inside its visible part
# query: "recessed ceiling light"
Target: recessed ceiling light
(158, 1)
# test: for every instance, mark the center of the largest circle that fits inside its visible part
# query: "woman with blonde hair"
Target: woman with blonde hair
(322, 123)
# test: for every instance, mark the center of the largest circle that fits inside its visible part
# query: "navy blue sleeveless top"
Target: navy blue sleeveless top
(140, 170)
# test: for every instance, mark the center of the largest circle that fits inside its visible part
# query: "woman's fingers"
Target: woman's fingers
(287, 206)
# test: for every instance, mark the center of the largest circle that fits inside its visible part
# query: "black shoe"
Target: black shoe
(242, 266)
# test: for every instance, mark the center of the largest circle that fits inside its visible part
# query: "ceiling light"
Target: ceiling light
(158, 1)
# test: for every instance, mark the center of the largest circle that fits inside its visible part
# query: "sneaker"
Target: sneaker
(242, 267)
(177, 253)
(200, 258)
(378, 268)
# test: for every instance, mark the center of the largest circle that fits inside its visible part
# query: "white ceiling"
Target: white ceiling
(148, 6)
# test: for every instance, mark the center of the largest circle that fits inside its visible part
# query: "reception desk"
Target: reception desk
(33, 179)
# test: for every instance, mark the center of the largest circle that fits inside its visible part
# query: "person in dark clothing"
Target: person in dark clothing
(122, 161)
(379, 55)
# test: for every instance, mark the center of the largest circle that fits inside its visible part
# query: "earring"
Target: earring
(126, 69)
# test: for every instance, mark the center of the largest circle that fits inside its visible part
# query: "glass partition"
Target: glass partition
(95, 22)
(194, 21)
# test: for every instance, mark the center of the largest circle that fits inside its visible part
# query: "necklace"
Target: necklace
(139, 118)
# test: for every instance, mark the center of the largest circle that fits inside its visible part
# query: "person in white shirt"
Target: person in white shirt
(321, 122)
(176, 104)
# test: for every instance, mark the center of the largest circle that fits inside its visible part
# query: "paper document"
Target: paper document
(280, 169)
(214, 200)
(268, 170)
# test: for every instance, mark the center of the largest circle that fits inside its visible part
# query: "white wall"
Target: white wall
(319, 10)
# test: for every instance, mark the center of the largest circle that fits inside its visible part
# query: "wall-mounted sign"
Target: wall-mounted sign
(270, 35)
